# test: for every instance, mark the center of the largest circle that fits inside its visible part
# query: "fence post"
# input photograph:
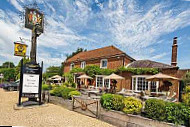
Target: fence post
(73, 103)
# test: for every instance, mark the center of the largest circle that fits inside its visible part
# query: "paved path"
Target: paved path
(49, 116)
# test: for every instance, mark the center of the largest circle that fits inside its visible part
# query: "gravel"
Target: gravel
(42, 116)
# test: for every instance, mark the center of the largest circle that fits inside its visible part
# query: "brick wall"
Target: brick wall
(113, 63)
(127, 83)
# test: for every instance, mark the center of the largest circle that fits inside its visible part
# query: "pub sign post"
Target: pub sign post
(31, 73)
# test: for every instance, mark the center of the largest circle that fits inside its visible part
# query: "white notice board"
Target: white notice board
(30, 83)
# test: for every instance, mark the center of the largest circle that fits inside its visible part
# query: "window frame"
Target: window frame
(102, 64)
(83, 64)
(103, 82)
(72, 64)
(135, 86)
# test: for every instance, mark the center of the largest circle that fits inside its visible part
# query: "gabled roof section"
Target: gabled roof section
(148, 64)
(98, 53)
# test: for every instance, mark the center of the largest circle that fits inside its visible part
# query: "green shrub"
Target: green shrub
(46, 87)
(187, 89)
(186, 99)
(117, 102)
(52, 92)
(66, 84)
(57, 91)
(132, 105)
(186, 96)
(107, 101)
(73, 85)
(65, 92)
(177, 113)
(155, 109)
(74, 93)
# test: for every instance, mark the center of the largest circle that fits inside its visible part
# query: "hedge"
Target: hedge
(132, 105)
(176, 113)
(128, 105)
(155, 109)
(107, 101)
(74, 93)
(62, 91)
(46, 87)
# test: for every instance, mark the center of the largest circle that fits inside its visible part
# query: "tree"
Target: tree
(9, 73)
(8, 64)
(186, 79)
(76, 52)
(17, 70)
(51, 71)
(61, 69)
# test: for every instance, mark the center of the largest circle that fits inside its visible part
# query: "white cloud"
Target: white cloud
(132, 27)
(16, 5)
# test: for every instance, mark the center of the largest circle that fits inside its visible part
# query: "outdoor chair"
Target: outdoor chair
(145, 95)
(126, 92)
(123, 90)
(171, 97)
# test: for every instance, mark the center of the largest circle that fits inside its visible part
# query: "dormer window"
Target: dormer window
(83, 64)
(72, 65)
(103, 63)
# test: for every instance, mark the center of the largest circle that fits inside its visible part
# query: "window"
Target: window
(72, 65)
(107, 83)
(139, 83)
(83, 64)
(153, 86)
(103, 63)
(99, 81)
(142, 84)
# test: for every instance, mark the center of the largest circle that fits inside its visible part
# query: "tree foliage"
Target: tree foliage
(17, 69)
(8, 64)
(76, 52)
(9, 73)
(51, 71)
(186, 78)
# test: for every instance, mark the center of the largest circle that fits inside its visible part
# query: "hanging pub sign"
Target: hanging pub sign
(20, 49)
(34, 17)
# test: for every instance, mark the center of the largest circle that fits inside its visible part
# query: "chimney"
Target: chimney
(174, 52)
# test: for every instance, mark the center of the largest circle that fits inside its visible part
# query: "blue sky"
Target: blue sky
(144, 29)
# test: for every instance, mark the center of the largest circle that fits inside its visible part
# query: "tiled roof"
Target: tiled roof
(98, 53)
(148, 64)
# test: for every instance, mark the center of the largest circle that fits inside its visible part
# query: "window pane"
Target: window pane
(99, 81)
(134, 83)
(104, 63)
(142, 84)
(106, 83)
(153, 86)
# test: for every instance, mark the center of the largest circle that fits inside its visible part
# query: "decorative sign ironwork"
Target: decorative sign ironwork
(20, 49)
(34, 17)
